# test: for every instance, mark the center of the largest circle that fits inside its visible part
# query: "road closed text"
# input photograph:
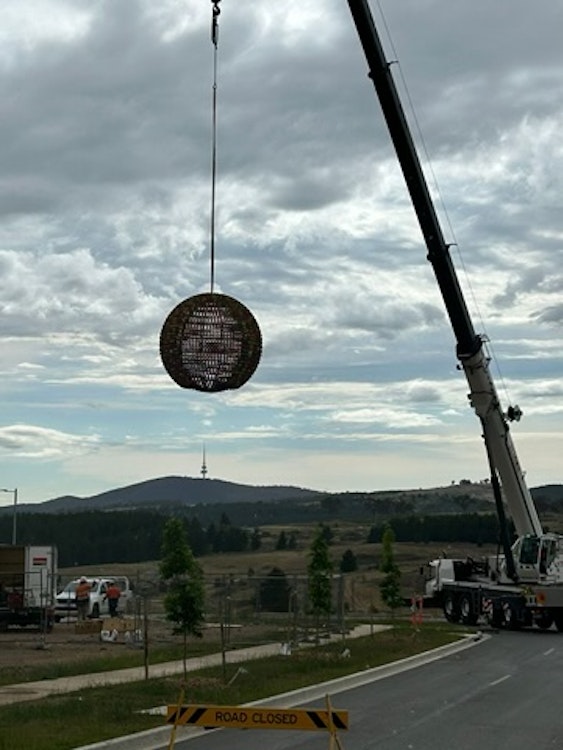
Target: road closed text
(257, 717)
(272, 718)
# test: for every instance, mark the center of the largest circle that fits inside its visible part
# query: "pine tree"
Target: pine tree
(348, 563)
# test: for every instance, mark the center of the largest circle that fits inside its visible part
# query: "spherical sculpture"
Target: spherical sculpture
(211, 343)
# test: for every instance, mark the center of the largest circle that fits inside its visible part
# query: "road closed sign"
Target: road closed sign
(257, 717)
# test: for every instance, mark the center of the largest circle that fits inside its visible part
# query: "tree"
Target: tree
(185, 597)
(274, 592)
(197, 537)
(255, 540)
(390, 585)
(227, 538)
(282, 541)
(348, 563)
(320, 577)
(327, 533)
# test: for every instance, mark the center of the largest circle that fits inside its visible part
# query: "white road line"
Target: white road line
(500, 679)
(548, 652)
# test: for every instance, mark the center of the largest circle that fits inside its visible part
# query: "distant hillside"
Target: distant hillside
(549, 497)
(167, 491)
(279, 504)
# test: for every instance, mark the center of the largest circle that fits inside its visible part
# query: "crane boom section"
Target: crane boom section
(483, 398)
(469, 345)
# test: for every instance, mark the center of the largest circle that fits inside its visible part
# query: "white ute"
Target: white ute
(65, 606)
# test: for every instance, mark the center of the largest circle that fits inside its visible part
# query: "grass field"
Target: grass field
(95, 715)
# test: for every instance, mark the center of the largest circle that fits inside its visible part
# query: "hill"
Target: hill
(168, 491)
(249, 504)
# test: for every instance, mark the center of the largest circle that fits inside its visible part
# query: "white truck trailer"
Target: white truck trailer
(28, 578)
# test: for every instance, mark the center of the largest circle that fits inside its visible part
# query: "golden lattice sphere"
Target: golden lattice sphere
(210, 342)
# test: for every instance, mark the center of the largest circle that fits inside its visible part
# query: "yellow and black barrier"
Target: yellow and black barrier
(257, 717)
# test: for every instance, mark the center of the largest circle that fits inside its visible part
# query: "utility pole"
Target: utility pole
(14, 512)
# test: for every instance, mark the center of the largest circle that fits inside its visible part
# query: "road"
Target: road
(504, 694)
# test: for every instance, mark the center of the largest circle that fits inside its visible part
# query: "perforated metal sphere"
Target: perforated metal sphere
(210, 342)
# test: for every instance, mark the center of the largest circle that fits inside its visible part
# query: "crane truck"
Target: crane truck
(523, 586)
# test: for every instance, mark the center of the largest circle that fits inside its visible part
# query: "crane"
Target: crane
(535, 557)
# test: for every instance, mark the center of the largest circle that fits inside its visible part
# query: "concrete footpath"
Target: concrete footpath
(27, 691)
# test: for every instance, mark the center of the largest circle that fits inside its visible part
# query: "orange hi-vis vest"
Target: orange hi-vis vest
(83, 592)
(113, 592)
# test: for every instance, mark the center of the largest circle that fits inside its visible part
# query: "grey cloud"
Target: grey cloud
(307, 193)
(422, 392)
(551, 314)
(72, 293)
(385, 318)
(526, 281)
(110, 107)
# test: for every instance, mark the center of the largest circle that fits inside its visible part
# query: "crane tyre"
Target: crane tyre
(467, 610)
(497, 618)
(558, 618)
(451, 608)
(510, 616)
(544, 620)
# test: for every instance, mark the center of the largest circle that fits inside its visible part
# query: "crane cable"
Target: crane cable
(486, 339)
(214, 40)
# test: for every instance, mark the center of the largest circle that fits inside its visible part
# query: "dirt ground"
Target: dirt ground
(26, 647)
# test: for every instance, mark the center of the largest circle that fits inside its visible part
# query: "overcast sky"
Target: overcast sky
(105, 134)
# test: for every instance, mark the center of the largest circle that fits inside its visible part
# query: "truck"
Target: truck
(28, 578)
(521, 586)
(65, 606)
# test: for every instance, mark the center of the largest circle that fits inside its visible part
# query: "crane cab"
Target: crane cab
(537, 557)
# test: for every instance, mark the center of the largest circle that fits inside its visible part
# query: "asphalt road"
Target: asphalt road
(504, 694)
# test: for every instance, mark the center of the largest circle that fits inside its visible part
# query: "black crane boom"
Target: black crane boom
(468, 342)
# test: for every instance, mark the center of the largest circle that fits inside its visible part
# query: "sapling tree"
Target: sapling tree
(185, 597)
(390, 586)
(319, 570)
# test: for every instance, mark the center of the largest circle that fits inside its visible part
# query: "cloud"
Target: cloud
(30, 441)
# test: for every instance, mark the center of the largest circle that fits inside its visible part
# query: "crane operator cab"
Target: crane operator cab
(537, 558)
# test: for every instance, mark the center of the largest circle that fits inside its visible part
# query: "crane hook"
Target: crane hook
(215, 21)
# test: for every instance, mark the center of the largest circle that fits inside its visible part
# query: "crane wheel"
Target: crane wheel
(510, 617)
(544, 620)
(558, 617)
(467, 610)
(451, 608)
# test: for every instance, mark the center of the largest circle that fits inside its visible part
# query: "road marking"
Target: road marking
(500, 679)
(548, 652)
